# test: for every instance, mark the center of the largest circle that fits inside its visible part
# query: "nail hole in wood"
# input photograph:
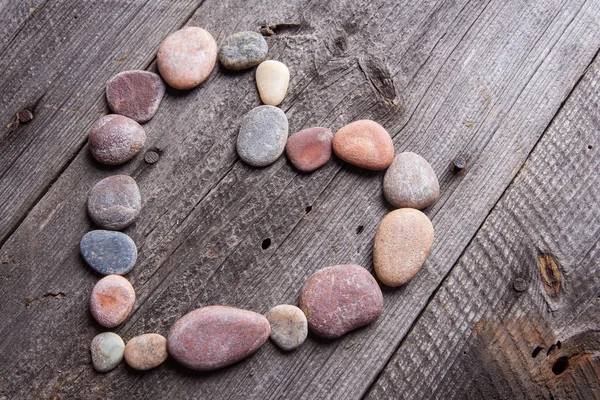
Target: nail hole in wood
(590, 147)
(536, 351)
(558, 344)
(560, 365)
(266, 243)
(308, 209)
(359, 229)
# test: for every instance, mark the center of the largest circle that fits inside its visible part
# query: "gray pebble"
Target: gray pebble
(262, 136)
(289, 326)
(410, 182)
(108, 252)
(107, 351)
(243, 50)
(114, 202)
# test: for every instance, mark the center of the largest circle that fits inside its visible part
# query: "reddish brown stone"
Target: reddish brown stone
(112, 300)
(309, 149)
(364, 143)
(115, 139)
(135, 94)
(114, 202)
(146, 351)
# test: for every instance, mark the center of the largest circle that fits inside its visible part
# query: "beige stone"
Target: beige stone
(146, 351)
(289, 326)
(272, 80)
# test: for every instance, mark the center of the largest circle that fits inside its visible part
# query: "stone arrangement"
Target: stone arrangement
(334, 300)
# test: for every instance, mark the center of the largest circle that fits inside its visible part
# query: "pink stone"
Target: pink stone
(365, 144)
(115, 139)
(309, 149)
(112, 300)
(135, 94)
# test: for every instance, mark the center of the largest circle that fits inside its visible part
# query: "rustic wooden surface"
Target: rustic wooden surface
(496, 82)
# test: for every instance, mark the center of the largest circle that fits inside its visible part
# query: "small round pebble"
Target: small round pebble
(114, 202)
(243, 50)
(289, 327)
(115, 139)
(272, 80)
(112, 300)
(108, 252)
(107, 351)
(146, 351)
(410, 182)
(309, 149)
(262, 136)
(186, 57)
(135, 94)
(365, 144)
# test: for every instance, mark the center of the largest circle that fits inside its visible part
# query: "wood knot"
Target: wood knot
(550, 274)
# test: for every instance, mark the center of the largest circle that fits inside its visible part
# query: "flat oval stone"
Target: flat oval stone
(112, 300)
(115, 139)
(289, 327)
(146, 351)
(339, 299)
(262, 136)
(365, 144)
(107, 351)
(410, 182)
(135, 94)
(114, 202)
(216, 336)
(187, 57)
(108, 252)
(309, 149)
(403, 242)
(272, 80)
(243, 50)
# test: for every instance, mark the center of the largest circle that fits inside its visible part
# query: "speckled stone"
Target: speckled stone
(262, 136)
(309, 149)
(107, 351)
(243, 50)
(108, 252)
(410, 182)
(365, 144)
(135, 94)
(187, 57)
(112, 300)
(403, 242)
(115, 139)
(339, 299)
(114, 202)
(289, 327)
(146, 351)
(216, 336)
(272, 81)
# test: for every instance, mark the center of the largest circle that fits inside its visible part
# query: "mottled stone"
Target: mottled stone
(112, 300)
(410, 182)
(339, 299)
(403, 242)
(262, 136)
(309, 149)
(187, 57)
(108, 252)
(365, 144)
(146, 351)
(243, 50)
(289, 327)
(135, 94)
(114, 202)
(115, 139)
(216, 336)
(272, 80)
(107, 351)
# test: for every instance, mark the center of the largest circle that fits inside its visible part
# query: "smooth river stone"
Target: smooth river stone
(114, 202)
(339, 299)
(108, 252)
(403, 242)
(243, 50)
(112, 300)
(309, 149)
(135, 94)
(272, 80)
(365, 144)
(107, 351)
(216, 336)
(115, 139)
(186, 57)
(262, 136)
(146, 351)
(410, 182)
(289, 327)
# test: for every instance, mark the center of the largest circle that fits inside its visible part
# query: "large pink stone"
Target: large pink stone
(364, 143)
(112, 300)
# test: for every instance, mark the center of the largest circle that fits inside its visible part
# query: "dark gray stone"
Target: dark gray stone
(108, 252)
(263, 135)
(114, 202)
(243, 50)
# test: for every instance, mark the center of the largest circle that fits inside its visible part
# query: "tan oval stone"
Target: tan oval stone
(365, 144)
(410, 182)
(272, 80)
(289, 326)
(146, 351)
(112, 300)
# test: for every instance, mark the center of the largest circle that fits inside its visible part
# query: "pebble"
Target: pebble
(410, 182)
(108, 252)
(114, 202)
(216, 336)
(403, 242)
(365, 144)
(186, 57)
(272, 80)
(243, 50)
(112, 300)
(115, 139)
(309, 149)
(135, 94)
(262, 136)
(107, 351)
(339, 299)
(146, 351)
(289, 327)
